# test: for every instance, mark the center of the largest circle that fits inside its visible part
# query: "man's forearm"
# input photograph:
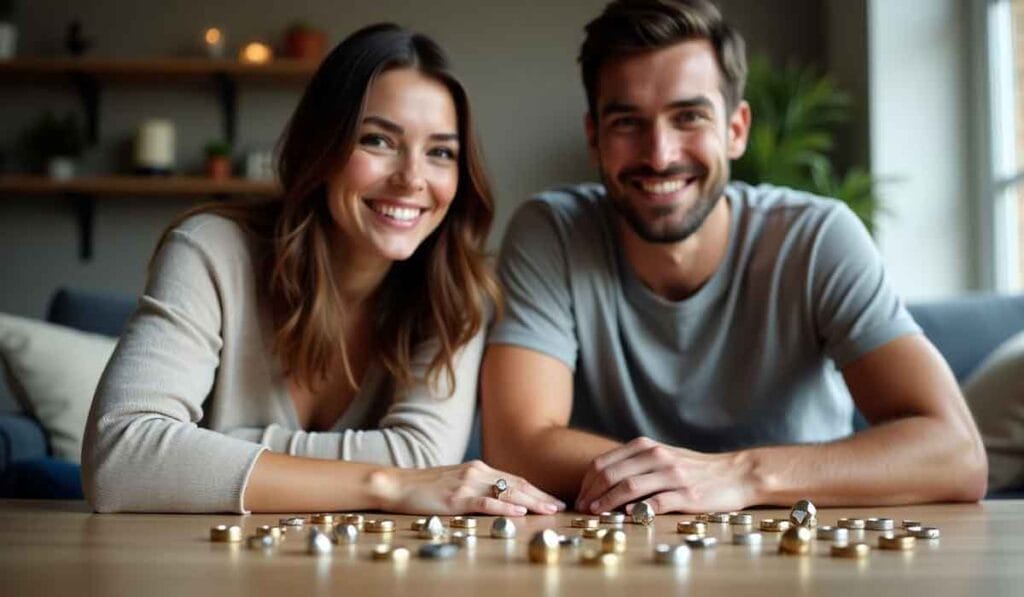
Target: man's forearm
(915, 459)
(554, 459)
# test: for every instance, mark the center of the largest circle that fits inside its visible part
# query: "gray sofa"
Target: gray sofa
(965, 330)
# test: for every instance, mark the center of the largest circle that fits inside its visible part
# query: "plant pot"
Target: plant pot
(8, 40)
(60, 168)
(218, 167)
(306, 44)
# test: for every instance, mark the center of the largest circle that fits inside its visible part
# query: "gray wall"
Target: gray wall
(516, 58)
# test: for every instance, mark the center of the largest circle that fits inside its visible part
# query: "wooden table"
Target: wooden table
(60, 548)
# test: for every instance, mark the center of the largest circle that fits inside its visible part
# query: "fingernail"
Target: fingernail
(520, 510)
(551, 508)
(593, 506)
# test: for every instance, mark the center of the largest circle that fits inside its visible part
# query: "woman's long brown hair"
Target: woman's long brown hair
(441, 294)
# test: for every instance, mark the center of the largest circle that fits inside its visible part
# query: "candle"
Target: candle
(256, 53)
(154, 147)
(214, 39)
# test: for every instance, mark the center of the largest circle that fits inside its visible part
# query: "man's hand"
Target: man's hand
(676, 479)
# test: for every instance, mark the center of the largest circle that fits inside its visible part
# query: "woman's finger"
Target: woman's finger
(516, 495)
(527, 487)
(488, 505)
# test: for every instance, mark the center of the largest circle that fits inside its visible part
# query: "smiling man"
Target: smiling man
(701, 344)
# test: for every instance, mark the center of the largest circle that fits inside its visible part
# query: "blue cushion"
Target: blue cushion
(94, 312)
(966, 330)
(21, 438)
(42, 478)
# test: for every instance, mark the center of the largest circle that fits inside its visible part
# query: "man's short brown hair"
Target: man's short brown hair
(628, 27)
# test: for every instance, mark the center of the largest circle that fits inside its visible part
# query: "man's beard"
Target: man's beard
(654, 228)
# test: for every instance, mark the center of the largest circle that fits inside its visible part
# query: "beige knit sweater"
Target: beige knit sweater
(192, 394)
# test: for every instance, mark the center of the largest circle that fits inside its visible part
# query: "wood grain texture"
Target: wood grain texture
(50, 548)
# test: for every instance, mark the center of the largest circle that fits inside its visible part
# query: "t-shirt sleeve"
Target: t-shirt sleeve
(534, 272)
(143, 448)
(854, 306)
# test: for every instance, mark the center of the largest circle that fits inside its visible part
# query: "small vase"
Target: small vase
(8, 40)
(218, 167)
(60, 168)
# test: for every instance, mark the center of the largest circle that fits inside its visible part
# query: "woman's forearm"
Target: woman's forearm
(281, 483)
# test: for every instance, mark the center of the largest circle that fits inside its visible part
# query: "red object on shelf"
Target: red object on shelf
(305, 44)
(218, 167)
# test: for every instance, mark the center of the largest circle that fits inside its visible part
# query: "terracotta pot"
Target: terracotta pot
(306, 44)
(218, 167)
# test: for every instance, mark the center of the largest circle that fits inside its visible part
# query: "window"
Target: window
(1004, 24)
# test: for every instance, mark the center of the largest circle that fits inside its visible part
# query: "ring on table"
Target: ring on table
(500, 486)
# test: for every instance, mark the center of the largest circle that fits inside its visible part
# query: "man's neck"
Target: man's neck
(676, 271)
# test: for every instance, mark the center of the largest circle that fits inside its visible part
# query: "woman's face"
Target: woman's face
(403, 173)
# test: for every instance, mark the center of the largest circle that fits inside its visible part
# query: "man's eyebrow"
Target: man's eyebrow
(616, 107)
(397, 129)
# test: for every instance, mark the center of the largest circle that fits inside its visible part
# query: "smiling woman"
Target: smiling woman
(320, 351)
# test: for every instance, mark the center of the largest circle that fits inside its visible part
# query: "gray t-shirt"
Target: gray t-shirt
(749, 359)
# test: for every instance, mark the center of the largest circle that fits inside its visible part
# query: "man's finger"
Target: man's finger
(633, 489)
(608, 458)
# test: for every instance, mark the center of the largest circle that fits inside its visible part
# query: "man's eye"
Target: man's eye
(690, 117)
(626, 123)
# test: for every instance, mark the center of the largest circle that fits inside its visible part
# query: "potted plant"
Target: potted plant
(8, 32)
(304, 42)
(218, 160)
(796, 113)
(53, 145)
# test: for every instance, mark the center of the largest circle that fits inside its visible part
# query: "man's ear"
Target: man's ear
(739, 130)
(591, 129)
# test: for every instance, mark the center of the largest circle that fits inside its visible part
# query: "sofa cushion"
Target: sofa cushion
(94, 312)
(53, 372)
(995, 394)
(42, 478)
(21, 438)
(968, 329)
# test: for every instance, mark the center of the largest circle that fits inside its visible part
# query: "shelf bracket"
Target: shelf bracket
(229, 104)
(85, 211)
(89, 92)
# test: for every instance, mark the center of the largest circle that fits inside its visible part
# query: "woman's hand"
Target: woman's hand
(459, 489)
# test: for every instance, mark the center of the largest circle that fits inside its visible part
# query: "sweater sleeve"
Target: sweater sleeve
(143, 449)
(423, 427)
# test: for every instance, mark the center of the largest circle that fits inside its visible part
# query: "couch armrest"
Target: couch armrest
(21, 438)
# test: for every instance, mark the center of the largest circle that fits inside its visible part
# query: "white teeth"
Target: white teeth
(661, 188)
(402, 214)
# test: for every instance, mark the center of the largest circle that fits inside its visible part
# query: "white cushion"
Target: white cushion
(52, 372)
(995, 395)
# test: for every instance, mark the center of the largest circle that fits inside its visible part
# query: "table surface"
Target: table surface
(61, 548)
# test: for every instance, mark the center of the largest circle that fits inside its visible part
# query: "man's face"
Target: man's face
(663, 140)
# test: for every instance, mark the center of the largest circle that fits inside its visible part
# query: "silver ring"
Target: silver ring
(500, 486)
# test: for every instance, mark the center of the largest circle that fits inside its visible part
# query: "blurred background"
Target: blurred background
(908, 109)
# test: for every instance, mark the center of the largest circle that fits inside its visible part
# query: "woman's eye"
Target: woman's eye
(374, 140)
(444, 153)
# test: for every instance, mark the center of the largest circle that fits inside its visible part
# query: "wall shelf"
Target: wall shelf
(83, 191)
(88, 75)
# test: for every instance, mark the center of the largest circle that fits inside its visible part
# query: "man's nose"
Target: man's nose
(663, 148)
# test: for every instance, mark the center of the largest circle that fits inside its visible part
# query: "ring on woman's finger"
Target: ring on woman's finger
(500, 486)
